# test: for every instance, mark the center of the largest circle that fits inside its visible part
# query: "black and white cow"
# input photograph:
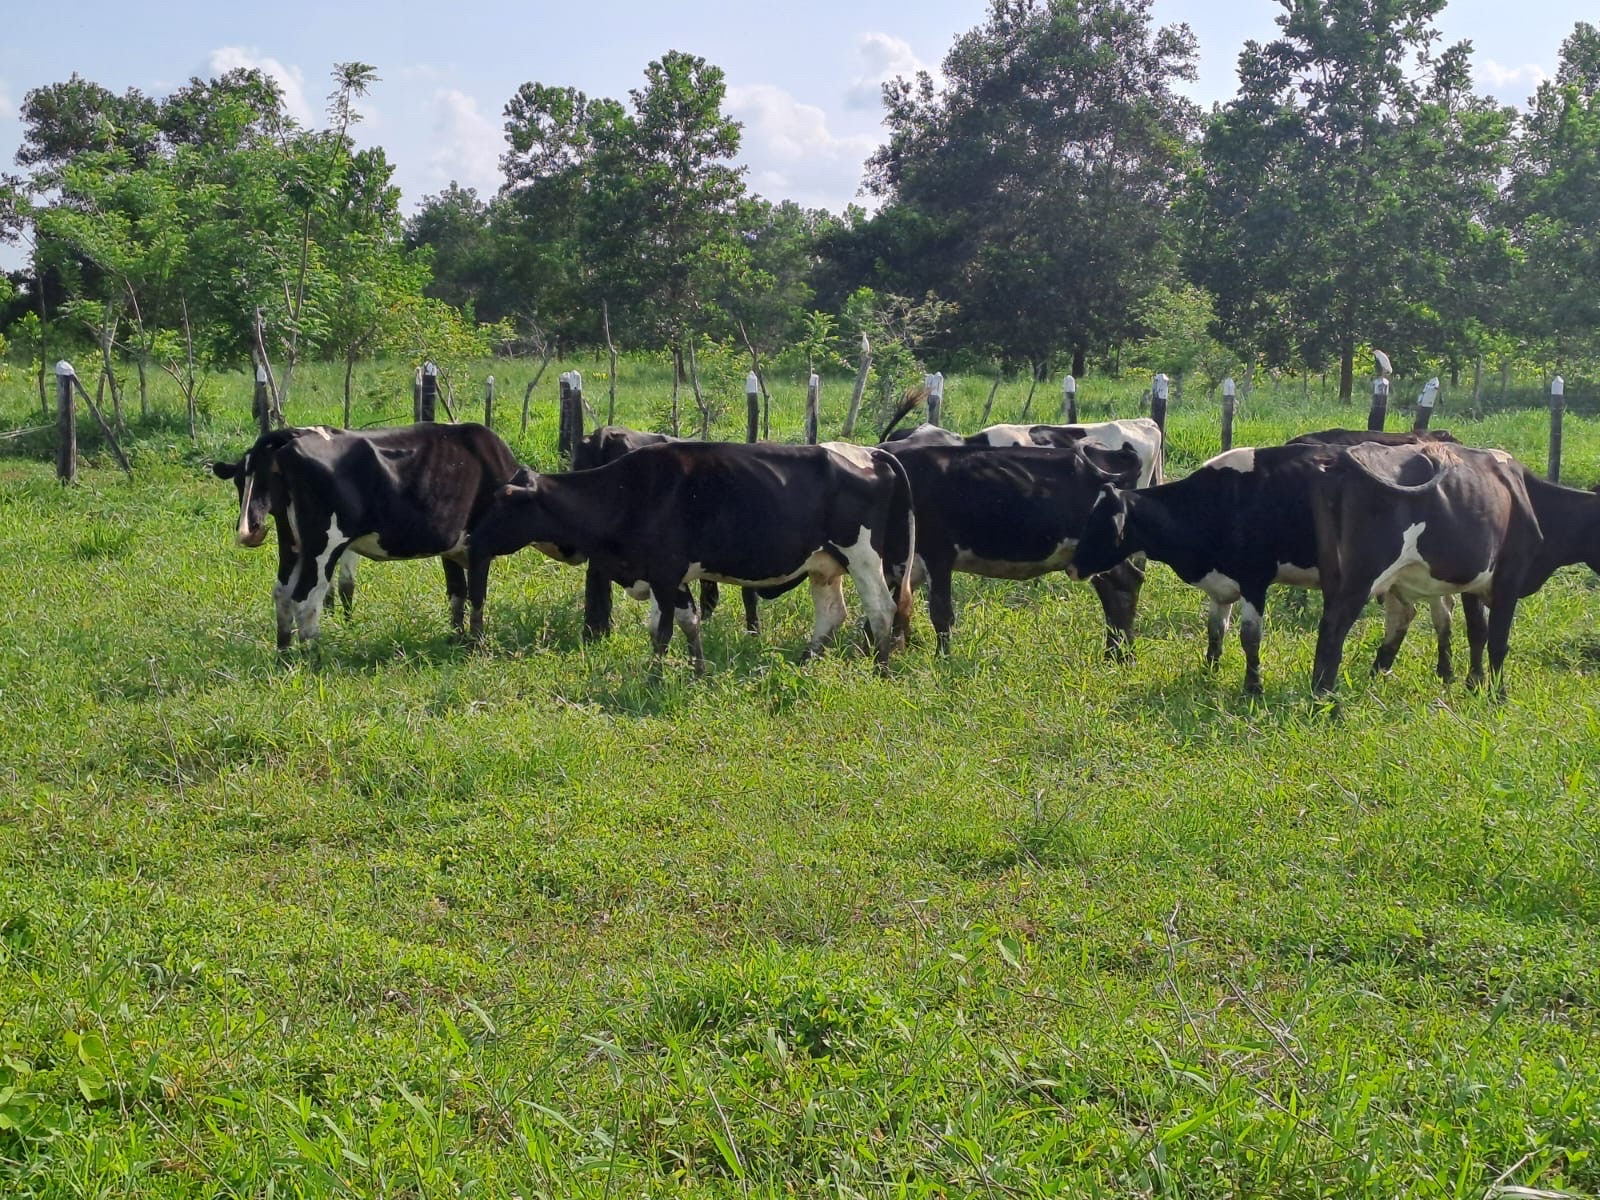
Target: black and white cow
(1015, 513)
(1352, 437)
(409, 492)
(603, 445)
(1412, 523)
(753, 514)
(1139, 435)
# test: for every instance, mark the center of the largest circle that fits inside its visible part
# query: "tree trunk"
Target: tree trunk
(1079, 362)
(1034, 371)
(677, 373)
(144, 389)
(1347, 367)
(349, 366)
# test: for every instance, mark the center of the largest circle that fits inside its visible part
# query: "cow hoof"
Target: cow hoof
(1252, 687)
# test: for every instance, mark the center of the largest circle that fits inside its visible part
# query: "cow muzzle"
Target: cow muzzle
(251, 537)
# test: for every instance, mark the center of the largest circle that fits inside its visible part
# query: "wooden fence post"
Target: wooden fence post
(1227, 412)
(1558, 403)
(752, 407)
(416, 396)
(862, 370)
(569, 418)
(488, 402)
(1069, 400)
(1380, 405)
(430, 391)
(1425, 402)
(935, 385)
(66, 424)
(813, 399)
(261, 404)
(1158, 402)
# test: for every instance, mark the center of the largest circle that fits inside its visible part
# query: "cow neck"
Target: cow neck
(1149, 527)
(1569, 521)
(582, 505)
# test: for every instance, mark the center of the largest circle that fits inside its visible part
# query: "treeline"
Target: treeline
(1054, 204)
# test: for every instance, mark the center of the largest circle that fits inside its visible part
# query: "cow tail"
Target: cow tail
(902, 515)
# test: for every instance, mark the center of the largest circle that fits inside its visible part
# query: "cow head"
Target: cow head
(1104, 541)
(518, 517)
(253, 494)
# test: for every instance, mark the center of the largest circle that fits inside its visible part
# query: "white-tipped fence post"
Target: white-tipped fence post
(1558, 403)
(1069, 400)
(1380, 405)
(752, 407)
(428, 403)
(935, 385)
(1158, 402)
(488, 402)
(66, 424)
(813, 399)
(1425, 402)
(261, 403)
(1228, 390)
(569, 418)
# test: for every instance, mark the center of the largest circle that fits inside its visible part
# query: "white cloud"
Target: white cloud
(881, 57)
(291, 79)
(468, 143)
(1514, 84)
(8, 106)
(791, 152)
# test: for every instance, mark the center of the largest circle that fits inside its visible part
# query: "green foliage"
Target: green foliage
(897, 328)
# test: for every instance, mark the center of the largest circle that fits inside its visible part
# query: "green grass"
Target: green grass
(405, 919)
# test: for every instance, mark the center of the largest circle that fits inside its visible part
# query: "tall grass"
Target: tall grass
(400, 918)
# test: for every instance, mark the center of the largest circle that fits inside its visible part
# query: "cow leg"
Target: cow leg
(596, 603)
(477, 593)
(1118, 590)
(941, 605)
(710, 597)
(752, 613)
(866, 567)
(455, 586)
(687, 618)
(661, 607)
(1217, 615)
(827, 602)
(1440, 608)
(1250, 613)
(1472, 611)
(283, 609)
(1500, 615)
(347, 582)
(312, 580)
(1339, 612)
(1397, 616)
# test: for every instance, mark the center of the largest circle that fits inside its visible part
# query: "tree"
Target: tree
(1342, 195)
(63, 120)
(1033, 189)
(1554, 203)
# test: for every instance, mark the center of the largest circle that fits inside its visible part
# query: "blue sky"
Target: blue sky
(802, 78)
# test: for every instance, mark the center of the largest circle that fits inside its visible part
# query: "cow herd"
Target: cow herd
(1400, 517)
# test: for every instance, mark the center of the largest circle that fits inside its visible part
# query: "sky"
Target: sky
(802, 78)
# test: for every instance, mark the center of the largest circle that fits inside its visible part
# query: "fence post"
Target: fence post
(430, 392)
(1158, 402)
(569, 417)
(66, 424)
(1558, 403)
(935, 385)
(1380, 405)
(488, 402)
(862, 370)
(416, 395)
(261, 404)
(1425, 402)
(752, 407)
(813, 398)
(1227, 412)
(1069, 400)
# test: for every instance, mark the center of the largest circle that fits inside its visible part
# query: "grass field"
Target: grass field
(406, 919)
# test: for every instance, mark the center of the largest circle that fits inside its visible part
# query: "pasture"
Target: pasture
(404, 918)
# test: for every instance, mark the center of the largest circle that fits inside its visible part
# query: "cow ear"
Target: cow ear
(225, 470)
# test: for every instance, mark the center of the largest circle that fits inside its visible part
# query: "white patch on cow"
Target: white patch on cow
(1249, 618)
(866, 567)
(857, 456)
(322, 432)
(818, 562)
(368, 546)
(1221, 588)
(245, 535)
(551, 550)
(1410, 578)
(1241, 459)
(1297, 576)
(991, 568)
(640, 590)
(1139, 434)
(309, 613)
(1007, 435)
(827, 602)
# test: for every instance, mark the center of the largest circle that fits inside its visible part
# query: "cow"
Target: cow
(408, 492)
(1408, 523)
(1015, 513)
(1140, 435)
(605, 444)
(755, 514)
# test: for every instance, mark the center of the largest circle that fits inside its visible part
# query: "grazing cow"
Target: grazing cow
(1015, 513)
(753, 514)
(1417, 522)
(605, 444)
(1140, 435)
(410, 492)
